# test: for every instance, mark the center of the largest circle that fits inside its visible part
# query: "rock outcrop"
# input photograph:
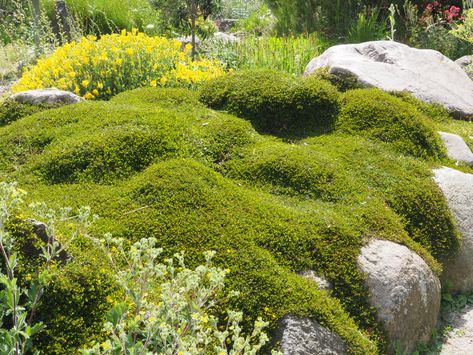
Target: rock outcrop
(46, 96)
(404, 290)
(457, 148)
(392, 66)
(304, 336)
(458, 189)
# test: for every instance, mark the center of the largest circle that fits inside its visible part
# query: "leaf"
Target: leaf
(116, 313)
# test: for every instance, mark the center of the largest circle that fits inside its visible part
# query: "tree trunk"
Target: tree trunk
(63, 19)
(193, 20)
(36, 18)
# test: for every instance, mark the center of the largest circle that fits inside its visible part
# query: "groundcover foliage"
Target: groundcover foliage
(157, 162)
(275, 102)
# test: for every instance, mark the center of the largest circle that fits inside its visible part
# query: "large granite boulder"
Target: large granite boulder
(46, 96)
(304, 336)
(458, 189)
(404, 291)
(457, 148)
(392, 66)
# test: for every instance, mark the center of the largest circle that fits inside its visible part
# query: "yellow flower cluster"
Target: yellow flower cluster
(100, 68)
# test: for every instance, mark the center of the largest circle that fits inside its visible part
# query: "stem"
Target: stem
(34, 306)
(17, 345)
(7, 261)
(36, 18)
(193, 19)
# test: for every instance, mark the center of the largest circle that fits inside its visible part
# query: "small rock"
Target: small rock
(225, 25)
(188, 40)
(226, 37)
(404, 290)
(321, 282)
(40, 229)
(46, 96)
(457, 148)
(304, 336)
(458, 189)
(392, 66)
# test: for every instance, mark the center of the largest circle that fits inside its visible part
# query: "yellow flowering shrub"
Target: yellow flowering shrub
(100, 68)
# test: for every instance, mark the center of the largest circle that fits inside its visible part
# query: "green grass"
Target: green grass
(288, 54)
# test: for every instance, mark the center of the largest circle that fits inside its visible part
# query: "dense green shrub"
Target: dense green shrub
(170, 98)
(11, 110)
(292, 170)
(435, 112)
(379, 115)
(269, 208)
(402, 183)
(76, 298)
(113, 153)
(343, 82)
(275, 102)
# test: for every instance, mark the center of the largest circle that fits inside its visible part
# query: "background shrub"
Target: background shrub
(102, 17)
(100, 68)
(379, 115)
(275, 102)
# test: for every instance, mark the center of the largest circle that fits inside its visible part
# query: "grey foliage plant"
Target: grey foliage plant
(180, 319)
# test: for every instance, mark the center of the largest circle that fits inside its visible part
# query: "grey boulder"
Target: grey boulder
(46, 96)
(457, 148)
(392, 66)
(465, 61)
(304, 336)
(458, 189)
(226, 37)
(404, 291)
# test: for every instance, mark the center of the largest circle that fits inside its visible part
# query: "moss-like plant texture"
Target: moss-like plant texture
(11, 110)
(159, 163)
(378, 115)
(275, 102)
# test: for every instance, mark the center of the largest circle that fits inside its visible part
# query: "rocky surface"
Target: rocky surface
(460, 338)
(404, 290)
(304, 336)
(188, 40)
(457, 148)
(226, 37)
(5, 88)
(321, 282)
(458, 189)
(465, 61)
(40, 230)
(392, 66)
(46, 96)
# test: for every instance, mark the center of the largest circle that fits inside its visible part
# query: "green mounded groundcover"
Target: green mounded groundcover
(157, 162)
